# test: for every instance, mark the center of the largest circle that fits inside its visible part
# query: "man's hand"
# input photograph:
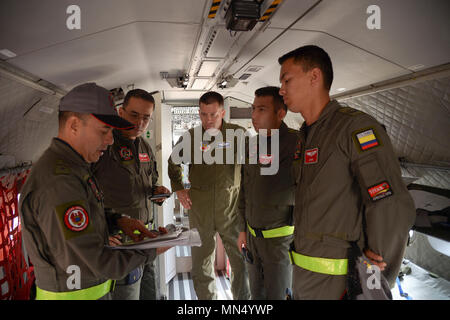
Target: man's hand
(242, 240)
(129, 225)
(375, 259)
(159, 190)
(183, 196)
(115, 240)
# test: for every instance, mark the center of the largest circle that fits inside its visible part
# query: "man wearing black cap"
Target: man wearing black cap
(64, 226)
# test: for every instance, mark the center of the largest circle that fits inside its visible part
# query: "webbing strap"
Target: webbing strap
(272, 233)
(334, 267)
(92, 293)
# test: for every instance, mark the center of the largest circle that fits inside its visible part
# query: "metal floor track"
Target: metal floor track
(181, 287)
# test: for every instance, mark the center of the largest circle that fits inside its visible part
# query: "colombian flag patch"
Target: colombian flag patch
(366, 139)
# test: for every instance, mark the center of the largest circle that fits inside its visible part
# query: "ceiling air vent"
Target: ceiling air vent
(244, 76)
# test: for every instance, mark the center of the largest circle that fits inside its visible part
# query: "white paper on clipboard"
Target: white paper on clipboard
(177, 238)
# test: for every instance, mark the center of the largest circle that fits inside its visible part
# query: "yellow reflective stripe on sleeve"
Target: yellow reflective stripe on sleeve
(274, 233)
(92, 293)
(334, 267)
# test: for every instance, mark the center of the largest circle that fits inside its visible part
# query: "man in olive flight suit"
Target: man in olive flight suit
(350, 187)
(266, 202)
(65, 230)
(127, 175)
(212, 198)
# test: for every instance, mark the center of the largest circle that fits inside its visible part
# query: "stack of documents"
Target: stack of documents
(178, 237)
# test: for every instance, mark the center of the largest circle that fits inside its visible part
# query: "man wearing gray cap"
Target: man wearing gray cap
(65, 228)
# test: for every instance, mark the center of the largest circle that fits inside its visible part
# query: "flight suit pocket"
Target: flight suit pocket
(319, 171)
(371, 178)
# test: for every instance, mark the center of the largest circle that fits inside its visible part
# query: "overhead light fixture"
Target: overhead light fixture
(207, 68)
(199, 84)
(242, 15)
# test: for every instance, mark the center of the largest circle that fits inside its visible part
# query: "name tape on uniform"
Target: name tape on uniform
(312, 156)
(144, 157)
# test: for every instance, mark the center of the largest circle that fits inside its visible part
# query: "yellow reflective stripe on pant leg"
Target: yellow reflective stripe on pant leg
(274, 233)
(92, 293)
(320, 265)
(251, 230)
(278, 232)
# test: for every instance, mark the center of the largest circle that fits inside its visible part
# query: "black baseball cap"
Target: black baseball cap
(96, 100)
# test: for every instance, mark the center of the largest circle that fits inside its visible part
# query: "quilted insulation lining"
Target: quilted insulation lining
(417, 119)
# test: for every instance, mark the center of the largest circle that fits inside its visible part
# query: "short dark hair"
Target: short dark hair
(63, 116)
(138, 93)
(273, 92)
(312, 57)
(211, 97)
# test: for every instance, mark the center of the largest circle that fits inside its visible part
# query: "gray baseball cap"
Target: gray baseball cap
(96, 100)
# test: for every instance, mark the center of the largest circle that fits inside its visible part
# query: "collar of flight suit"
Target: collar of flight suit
(330, 108)
(223, 128)
(124, 140)
(65, 150)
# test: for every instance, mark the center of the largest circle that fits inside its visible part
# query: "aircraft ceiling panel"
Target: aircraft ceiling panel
(113, 58)
(34, 25)
(413, 33)
(353, 67)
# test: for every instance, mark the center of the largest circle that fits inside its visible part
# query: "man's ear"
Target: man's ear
(223, 112)
(281, 114)
(120, 111)
(316, 77)
(73, 124)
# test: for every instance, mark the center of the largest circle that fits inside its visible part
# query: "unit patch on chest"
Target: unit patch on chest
(125, 153)
(205, 146)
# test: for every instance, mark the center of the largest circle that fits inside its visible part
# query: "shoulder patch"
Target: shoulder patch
(366, 139)
(380, 191)
(350, 111)
(61, 167)
(74, 219)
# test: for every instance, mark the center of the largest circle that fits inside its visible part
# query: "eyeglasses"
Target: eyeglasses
(136, 116)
